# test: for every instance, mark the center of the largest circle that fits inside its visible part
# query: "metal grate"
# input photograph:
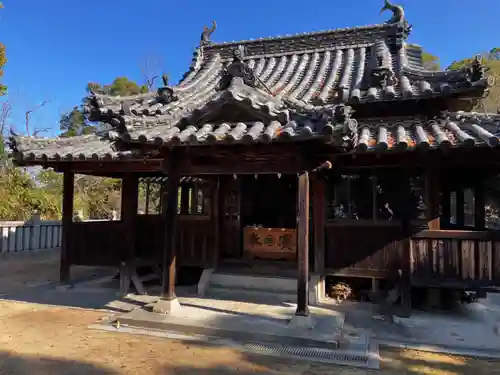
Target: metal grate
(324, 355)
(368, 357)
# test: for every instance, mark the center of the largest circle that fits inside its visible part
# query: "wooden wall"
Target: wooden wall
(363, 250)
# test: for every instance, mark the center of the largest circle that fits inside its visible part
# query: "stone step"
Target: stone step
(250, 295)
(263, 283)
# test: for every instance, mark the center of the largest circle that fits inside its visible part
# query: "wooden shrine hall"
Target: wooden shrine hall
(331, 153)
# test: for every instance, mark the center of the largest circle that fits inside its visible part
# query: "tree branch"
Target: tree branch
(4, 115)
(29, 112)
(150, 68)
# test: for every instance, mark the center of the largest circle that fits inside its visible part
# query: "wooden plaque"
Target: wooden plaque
(270, 243)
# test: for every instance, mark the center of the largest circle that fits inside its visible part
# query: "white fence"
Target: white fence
(31, 235)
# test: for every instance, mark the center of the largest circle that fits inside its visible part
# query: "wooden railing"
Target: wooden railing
(31, 235)
(453, 258)
(446, 256)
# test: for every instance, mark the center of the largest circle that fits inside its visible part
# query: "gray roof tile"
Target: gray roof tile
(354, 65)
(85, 147)
(450, 130)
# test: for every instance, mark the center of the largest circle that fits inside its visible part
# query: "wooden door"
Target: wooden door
(230, 212)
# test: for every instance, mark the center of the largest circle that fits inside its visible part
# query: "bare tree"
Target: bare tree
(27, 115)
(151, 70)
(5, 112)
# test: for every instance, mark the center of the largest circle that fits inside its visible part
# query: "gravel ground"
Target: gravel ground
(40, 339)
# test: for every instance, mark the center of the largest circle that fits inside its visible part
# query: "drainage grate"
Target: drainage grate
(366, 358)
(342, 357)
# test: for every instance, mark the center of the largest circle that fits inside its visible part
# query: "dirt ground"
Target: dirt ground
(37, 339)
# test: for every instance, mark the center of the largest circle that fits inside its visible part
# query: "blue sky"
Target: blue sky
(55, 47)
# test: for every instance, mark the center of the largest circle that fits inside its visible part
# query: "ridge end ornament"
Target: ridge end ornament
(398, 17)
(207, 33)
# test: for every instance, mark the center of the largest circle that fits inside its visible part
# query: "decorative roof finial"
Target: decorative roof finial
(398, 13)
(164, 78)
(207, 32)
(166, 94)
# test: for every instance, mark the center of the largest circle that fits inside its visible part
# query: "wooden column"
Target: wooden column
(169, 300)
(432, 188)
(129, 206)
(318, 206)
(303, 245)
(67, 222)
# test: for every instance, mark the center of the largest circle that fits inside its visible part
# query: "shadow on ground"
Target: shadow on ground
(12, 364)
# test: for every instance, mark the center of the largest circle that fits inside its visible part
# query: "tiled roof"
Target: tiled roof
(355, 65)
(85, 147)
(451, 130)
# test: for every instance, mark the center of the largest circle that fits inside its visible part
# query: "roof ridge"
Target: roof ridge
(296, 35)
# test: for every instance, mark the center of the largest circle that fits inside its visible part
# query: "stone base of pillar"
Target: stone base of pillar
(300, 321)
(169, 307)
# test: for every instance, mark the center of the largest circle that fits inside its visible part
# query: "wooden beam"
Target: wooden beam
(108, 167)
(67, 222)
(303, 245)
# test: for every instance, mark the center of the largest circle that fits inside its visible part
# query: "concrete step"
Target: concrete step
(250, 295)
(261, 283)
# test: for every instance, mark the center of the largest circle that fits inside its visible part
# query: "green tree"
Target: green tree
(21, 196)
(74, 123)
(430, 61)
(3, 61)
(121, 86)
(491, 59)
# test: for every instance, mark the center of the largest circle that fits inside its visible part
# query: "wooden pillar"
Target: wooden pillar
(432, 187)
(67, 222)
(479, 205)
(318, 206)
(129, 206)
(169, 302)
(303, 245)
